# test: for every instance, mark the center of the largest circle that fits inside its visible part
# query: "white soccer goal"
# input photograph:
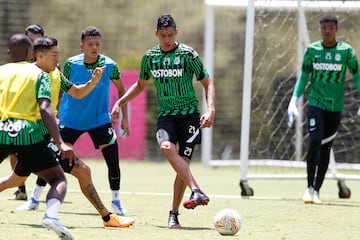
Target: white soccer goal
(255, 56)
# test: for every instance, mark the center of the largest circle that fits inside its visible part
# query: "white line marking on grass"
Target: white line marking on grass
(161, 194)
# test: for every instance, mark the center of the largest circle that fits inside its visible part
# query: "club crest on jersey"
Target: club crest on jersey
(338, 57)
(328, 56)
(177, 61)
(166, 61)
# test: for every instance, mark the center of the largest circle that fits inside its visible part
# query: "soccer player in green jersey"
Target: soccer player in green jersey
(33, 31)
(325, 63)
(172, 66)
(25, 98)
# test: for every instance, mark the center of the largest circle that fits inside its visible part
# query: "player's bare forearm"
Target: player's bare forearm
(80, 91)
(124, 111)
(207, 120)
(125, 127)
(210, 98)
(132, 92)
(49, 120)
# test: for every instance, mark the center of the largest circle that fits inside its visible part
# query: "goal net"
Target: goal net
(254, 55)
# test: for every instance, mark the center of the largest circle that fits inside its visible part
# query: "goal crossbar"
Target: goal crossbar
(291, 4)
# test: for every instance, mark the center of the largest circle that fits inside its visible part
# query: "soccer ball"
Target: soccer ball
(227, 221)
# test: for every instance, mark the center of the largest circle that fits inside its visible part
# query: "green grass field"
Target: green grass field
(275, 212)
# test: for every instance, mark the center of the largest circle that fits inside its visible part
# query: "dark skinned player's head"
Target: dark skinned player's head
(19, 48)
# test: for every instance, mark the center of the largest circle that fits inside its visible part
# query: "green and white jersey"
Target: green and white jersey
(65, 85)
(19, 104)
(173, 75)
(326, 68)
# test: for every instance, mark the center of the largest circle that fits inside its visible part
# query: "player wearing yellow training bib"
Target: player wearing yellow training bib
(24, 93)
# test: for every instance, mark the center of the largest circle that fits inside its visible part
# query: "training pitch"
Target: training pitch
(275, 212)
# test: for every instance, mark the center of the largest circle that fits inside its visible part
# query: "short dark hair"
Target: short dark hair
(44, 43)
(91, 31)
(165, 20)
(19, 41)
(329, 18)
(19, 46)
(35, 29)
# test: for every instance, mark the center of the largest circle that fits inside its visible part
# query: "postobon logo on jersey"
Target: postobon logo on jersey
(327, 66)
(167, 73)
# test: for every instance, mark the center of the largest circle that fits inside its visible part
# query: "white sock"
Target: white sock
(115, 194)
(52, 207)
(37, 191)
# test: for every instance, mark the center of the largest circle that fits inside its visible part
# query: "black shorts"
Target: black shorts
(30, 158)
(4, 155)
(323, 125)
(184, 130)
(101, 135)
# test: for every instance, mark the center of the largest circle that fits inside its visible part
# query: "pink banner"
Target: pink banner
(132, 147)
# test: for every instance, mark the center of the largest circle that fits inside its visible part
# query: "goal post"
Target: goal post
(288, 144)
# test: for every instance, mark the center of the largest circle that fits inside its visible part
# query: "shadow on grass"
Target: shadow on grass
(69, 213)
(187, 228)
(348, 203)
(81, 213)
(32, 225)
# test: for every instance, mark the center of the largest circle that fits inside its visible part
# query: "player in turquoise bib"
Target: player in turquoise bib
(172, 66)
(325, 63)
(91, 113)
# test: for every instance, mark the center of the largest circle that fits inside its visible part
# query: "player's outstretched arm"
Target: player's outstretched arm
(80, 91)
(130, 94)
